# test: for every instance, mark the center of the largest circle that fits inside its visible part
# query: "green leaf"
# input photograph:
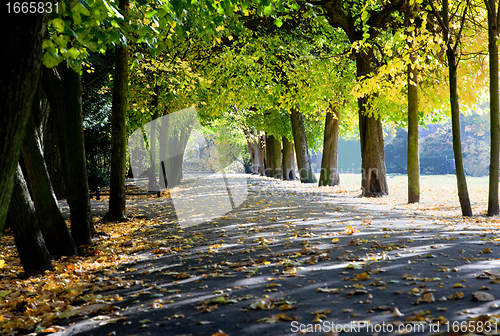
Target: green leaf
(73, 53)
(58, 25)
(268, 10)
(278, 22)
(150, 14)
(50, 59)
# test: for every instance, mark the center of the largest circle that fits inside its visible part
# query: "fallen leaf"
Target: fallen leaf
(220, 333)
(278, 318)
(427, 297)
(363, 276)
(350, 230)
(328, 290)
(397, 313)
(455, 296)
(52, 329)
(482, 296)
(262, 304)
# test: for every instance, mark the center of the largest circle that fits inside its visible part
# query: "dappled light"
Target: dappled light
(285, 245)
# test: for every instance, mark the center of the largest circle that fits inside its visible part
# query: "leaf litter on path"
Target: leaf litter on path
(295, 252)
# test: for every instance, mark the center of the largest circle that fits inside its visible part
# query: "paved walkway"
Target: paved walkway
(284, 263)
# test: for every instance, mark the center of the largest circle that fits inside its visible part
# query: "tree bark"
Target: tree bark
(253, 148)
(53, 137)
(153, 184)
(273, 157)
(413, 155)
(261, 141)
(493, 206)
(117, 210)
(33, 252)
(329, 163)
(463, 193)
(22, 38)
(373, 180)
(63, 89)
(288, 161)
(306, 173)
(82, 226)
(173, 141)
(55, 232)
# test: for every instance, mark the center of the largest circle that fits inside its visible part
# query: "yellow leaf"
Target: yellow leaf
(362, 276)
(350, 230)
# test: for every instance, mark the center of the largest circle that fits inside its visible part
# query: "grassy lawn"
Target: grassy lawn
(437, 192)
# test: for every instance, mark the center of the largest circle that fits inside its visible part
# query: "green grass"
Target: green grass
(437, 192)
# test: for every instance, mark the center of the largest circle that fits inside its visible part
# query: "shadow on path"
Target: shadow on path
(286, 247)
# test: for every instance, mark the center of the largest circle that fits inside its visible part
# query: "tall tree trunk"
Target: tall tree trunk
(261, 141)
(174, 135)
(153, 185)
(413, 155)
(493, 206)
(329, 163)
(117, 211)
(463, 193)
(253, 148)
(55, 232)
(288, 161)
(30, 244)
(22, 40)
(82, 226)
(53, 140)
(163, 148)
(63, 89)
(306, 173)
(273, 157)
(374, 180)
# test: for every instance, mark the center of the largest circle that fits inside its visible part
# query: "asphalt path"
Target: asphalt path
(294, 260)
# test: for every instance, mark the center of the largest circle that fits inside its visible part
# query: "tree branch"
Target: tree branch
(498, 16)
(462, 24)
(439, 18)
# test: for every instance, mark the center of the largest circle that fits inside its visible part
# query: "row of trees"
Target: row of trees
(293, 75)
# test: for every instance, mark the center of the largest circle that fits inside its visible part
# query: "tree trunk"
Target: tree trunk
(163, 148)
(273, 157)
(288, 161)
(463, 194)
(306, 173)
(174, 135)
(253, 148)
(493, 206)
(153, 185)
(329, 163)
(117, 211)
(82, 226)
(22, 40)
(261, 141)
(63, 90)
(53, 136)
(52, 224)
(373, 180)
(33, 252)
(413, 155)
